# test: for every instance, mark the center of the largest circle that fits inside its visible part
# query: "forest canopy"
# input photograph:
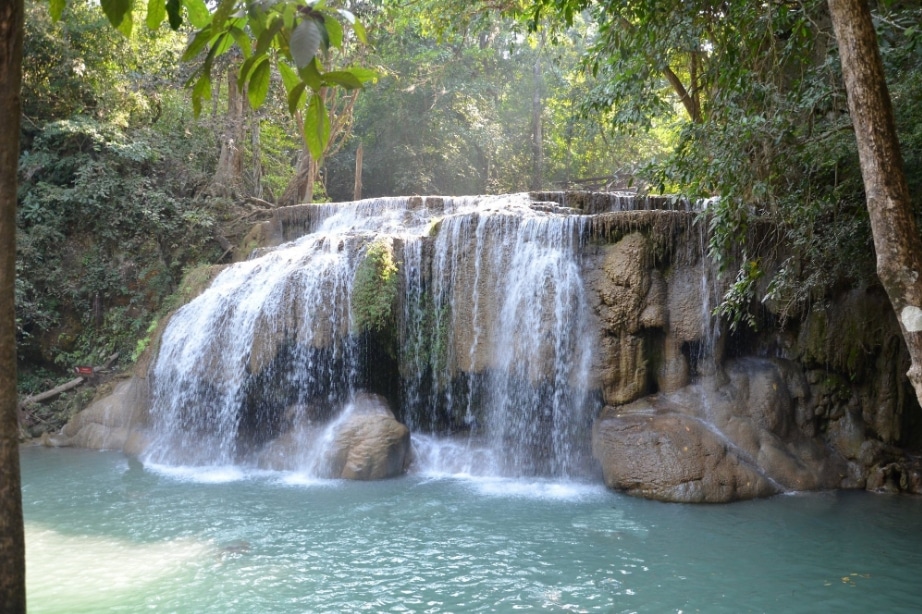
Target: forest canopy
(125, 184)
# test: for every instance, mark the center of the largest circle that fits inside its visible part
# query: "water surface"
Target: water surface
(107, 534)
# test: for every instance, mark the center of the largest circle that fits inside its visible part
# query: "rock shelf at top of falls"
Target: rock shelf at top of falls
(567, 335)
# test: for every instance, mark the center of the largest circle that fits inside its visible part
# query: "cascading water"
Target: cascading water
(487, 358)
(509, 341)
(266, 346)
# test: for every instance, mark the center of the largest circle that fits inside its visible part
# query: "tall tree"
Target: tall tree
(228, 175)
(896, 237)
(12, 538)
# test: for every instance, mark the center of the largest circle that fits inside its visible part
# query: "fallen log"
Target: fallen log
(48, 394)
(44, 396)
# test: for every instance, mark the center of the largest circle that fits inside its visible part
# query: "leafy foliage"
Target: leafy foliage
(284, 31)
(755, 92)
(374, 294)
(103, 236)
(454, 111)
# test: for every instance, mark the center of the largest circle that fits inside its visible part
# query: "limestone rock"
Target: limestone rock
(673, 372)
(108, 423)
(622, 373)
(687, 301)
(625, 297)
(654, 313)
(620, 283)
(367, 442)
(673, 457)
(727, 437)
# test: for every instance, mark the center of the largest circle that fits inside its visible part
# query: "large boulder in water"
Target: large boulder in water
(654, 453)
(735, 435)
(366, 442)
(110, 423)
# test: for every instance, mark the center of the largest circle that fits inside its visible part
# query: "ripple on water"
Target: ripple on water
(265, 543)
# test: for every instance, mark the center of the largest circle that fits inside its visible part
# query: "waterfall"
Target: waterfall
(487, 347)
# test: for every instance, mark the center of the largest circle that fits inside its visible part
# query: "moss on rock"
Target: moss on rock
(374, 290)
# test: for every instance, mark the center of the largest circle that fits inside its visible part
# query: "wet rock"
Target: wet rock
(674, 372)
(622, 374)
(625, 296)
(884, 479)
(654, 314)
(620, 283)
(367, 442)
(110, 422)
(722, 439)
(689, 318)
(667, 456)
(911, 479)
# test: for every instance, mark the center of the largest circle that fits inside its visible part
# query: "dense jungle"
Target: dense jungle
(123, 189)
(158, 141)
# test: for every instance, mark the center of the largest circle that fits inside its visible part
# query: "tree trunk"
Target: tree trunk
(256, 178)
(229, 173)
(896, 238)
(537, 132)
(357, 189)
(301, 187)
(12, 539)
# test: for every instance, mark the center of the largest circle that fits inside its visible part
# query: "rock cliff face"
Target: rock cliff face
(736, 436)
(565, 332)
(694, 413)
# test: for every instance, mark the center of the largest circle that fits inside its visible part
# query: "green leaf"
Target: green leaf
(289, 13)
(243, 41)
(174, 12)
(311, 75)
(198, 43)
(127, 24)
(201, 90)
(116, 10)
(334, 31)
(343, 78)
(259, 84)
(203, 86)
(296, 96)
(364, 75)
(265, 37)
(290, 77)
(197, 12)
(57, 9)
(316, 127)
(245, 69)
(222, 13)
(304, 42)
(359, 30)
(222, 44)
(156, 13)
